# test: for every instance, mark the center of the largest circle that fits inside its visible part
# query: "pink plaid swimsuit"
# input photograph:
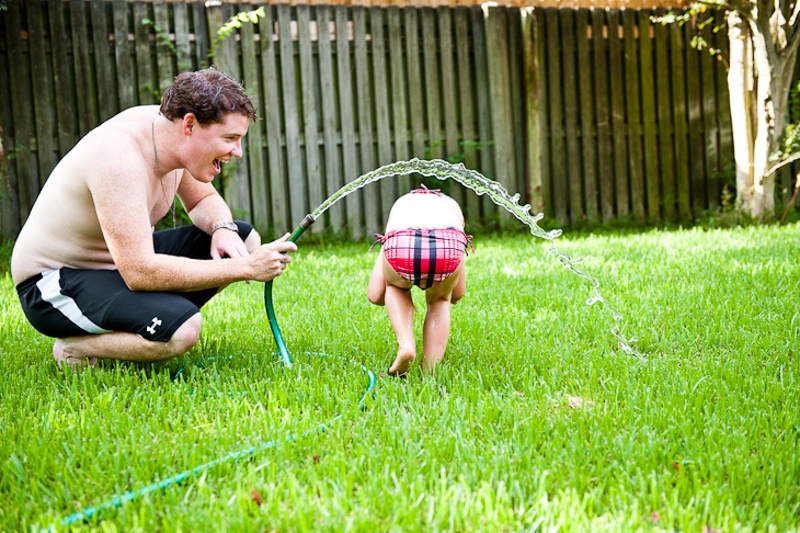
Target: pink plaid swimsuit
(425, 256)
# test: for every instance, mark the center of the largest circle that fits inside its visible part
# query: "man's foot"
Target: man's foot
(402, 363)
(75, 362)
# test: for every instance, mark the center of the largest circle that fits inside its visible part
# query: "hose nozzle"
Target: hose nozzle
(302, 227)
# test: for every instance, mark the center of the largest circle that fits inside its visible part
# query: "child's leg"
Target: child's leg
(436, 329)
(376, 289)
(400, 308)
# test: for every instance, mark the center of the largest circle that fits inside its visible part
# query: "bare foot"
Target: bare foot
(75, 362)
(402, 363)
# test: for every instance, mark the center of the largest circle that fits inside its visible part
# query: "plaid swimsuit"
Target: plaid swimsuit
(425, 256)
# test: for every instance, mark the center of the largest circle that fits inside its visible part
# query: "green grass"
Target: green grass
(536, 420)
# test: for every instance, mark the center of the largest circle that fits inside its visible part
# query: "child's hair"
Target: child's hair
(207, 93)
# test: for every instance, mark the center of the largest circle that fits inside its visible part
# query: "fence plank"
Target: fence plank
(123, 56)
(309, 83)
(104, 70)
(696, 133)
(398, 77)
(650, 140)
(372, 217)
(87, 96)
(555, 106)
(605, 155)
(278, 189)
(497, 47)
(144, 70)
(387, 188)
(183, 45)
(587, 129)
(164, 54)
(253, 158)
(619, 129)
(633, 114)
(354, 202)
(516, 101)
(450, 96)
(332, 161)
(571, 106)
(470, 146)
(722, 115)
(540, 36)
(708, 109)
(666, 130)
(680, 105)
(23, 133)
(291, 111)
(432, 93)
(43, 103)
(415, 94)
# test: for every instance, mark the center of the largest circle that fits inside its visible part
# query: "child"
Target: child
(424, 245)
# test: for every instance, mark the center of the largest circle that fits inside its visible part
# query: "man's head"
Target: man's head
(207, 93)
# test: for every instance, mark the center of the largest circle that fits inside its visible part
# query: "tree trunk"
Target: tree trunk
(759, 81)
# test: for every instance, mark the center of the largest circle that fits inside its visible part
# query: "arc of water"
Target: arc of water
(480, 184)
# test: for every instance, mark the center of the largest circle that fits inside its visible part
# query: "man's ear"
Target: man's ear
(189, 123)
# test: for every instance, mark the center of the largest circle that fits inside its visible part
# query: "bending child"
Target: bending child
(424, 245)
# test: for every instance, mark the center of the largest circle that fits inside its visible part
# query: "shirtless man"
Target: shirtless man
(425, 245)
(91, 272)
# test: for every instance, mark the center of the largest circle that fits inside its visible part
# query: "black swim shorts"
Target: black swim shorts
(69, 302)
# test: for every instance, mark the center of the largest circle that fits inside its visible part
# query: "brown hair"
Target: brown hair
(207, 93)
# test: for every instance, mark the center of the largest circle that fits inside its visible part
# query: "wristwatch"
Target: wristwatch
(227, 225)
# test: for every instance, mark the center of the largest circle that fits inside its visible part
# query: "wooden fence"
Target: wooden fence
(591, 114)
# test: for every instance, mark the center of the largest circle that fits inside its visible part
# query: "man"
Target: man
(89, 269)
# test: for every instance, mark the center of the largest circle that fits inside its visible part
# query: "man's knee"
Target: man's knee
(187, 335)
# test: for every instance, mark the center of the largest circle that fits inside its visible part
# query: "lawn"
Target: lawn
(537, 420)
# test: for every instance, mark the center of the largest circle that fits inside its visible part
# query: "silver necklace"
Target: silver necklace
(158, 169)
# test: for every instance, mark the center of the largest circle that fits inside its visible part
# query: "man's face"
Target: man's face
(214, 144)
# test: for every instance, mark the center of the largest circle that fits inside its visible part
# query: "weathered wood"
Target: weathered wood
(46, 155)
(123, 56)
(588, 155)
(253, 143)
(164, 54)
(84, 82)
(107, 104)
(679, 106)
(144, 69)
(276, 158)
(24, 146)
(500, 98)
(652, 169)
(467, 107)
(331, 147)
(666, 131)
(619, 129)
(399, 93)
(605, 154)
(295, 162)
(516, 102)
(633, 114)
(354, 202)
(315, 183)
(432, 91)
(571, 105)
(373, 221)
(387, 188)
(627, 109)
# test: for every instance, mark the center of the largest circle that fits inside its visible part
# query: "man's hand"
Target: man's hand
(227, 243)
(270, 260)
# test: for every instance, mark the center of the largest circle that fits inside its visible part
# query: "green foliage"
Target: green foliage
(233, 24)
(700, 16)
(535, 421)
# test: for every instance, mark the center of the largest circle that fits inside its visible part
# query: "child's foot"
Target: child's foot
(402, 363)
(75, 362)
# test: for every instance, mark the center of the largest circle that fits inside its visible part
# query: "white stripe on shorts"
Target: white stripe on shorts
(50, 287)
